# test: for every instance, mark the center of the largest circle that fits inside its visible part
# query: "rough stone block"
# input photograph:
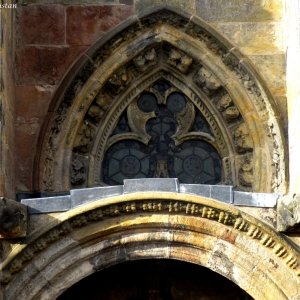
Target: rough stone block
(44, 65)
(151, 184)
(82, 196)
(85, 24)
(32, 101)
(239, 10)
(48, 204)
(41, 24)
(187, 5)
(273, 69)
(26, 137)
(254, 37)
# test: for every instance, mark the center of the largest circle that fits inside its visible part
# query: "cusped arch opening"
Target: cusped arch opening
(210, 72)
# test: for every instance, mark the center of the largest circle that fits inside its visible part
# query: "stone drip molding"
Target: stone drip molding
(155, 203)
(102, 65)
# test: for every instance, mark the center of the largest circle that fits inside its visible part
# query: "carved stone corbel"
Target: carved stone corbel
(13, 219)
(288, 212)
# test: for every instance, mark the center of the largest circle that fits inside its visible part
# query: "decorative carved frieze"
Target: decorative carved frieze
(242, 139)
(146, 60)
(84, 137)
(224, 215)
(229, 111)
(207, 81)
(180, 60)
(78, 171)
(246, 177)
(118, 81)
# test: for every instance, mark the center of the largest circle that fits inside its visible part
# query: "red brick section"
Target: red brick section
(33, 100)
(41, 24)
(44, 65)
(86, 24)
(49, 39)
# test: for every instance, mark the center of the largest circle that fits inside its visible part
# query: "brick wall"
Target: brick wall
(49, 39)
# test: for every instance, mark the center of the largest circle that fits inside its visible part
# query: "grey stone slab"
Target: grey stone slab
(82, 196)
(222, 193)
(197, 189)
(47, 204)
(219, 192)
(255, 199)
(151, 184)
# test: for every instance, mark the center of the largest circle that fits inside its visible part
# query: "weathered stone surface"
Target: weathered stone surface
(26, 136)
(44, 65)
(41, 24)
(254, 38)
(70, 2)
(13, 219)
(288, 212)
(239, 10)
(32, 101)
(85, 24)
(187, 5)
(273, 69)
(168, 225)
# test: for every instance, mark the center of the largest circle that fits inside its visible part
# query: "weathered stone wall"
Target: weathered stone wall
(292, 34)
(7, 186)
(66, 29)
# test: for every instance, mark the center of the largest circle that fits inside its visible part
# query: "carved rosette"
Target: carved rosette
(112, 99)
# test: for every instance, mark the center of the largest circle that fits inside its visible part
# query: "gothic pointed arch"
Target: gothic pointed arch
(186, 74)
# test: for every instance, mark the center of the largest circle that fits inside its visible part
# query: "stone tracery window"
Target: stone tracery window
(166, 114)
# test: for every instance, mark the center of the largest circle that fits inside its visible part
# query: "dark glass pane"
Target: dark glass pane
(176, 102)
(147, 102)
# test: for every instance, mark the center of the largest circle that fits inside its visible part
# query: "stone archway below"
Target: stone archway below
(152, 225)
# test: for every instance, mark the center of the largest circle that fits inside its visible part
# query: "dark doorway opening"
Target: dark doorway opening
(155, 280)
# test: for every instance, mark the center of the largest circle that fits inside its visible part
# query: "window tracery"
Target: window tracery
(171, 115)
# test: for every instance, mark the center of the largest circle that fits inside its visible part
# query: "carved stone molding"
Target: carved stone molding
(288, 212)
(156, 203)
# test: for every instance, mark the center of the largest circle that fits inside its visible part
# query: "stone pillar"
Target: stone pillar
(292, 18)
(7, 167)
(289, 206)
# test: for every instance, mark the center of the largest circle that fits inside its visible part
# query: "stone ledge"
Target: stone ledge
(78, 197)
